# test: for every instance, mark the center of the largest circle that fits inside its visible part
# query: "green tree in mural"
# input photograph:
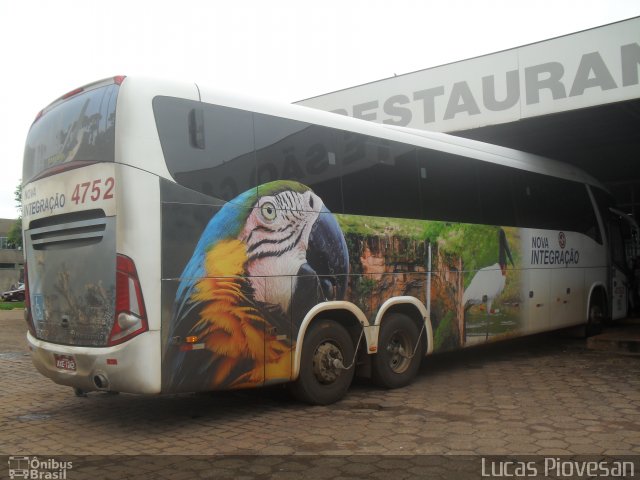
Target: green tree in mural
(474, 244)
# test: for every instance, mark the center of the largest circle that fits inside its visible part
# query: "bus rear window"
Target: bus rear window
(80, 129)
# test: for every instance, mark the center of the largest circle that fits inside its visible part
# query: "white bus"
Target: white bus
(178, 240)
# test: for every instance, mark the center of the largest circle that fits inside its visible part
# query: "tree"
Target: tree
(14, 237)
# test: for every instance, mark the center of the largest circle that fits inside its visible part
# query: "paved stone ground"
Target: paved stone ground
(544, 395)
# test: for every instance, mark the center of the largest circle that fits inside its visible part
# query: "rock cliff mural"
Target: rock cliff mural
(390, 257)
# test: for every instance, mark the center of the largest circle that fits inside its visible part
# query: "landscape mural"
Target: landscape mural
(390, 257)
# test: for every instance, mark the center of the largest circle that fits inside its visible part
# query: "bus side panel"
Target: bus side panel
(138, 237)
(208, 295)
(239, 277)
(555, 294)
(184, 215)
(231, 309)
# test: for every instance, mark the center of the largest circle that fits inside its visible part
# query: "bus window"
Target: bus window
(623, 238)
(448, 187)
(496, 199)
(81, 129)
(291, 150)
(207, 148)
(572, 208)
(554, 204)
(604, 201)
(380, 177)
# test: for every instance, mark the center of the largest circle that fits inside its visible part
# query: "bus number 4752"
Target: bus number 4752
(93, 190)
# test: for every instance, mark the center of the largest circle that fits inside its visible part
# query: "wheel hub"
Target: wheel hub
(326, 363)
(397, 348)
(595, 314)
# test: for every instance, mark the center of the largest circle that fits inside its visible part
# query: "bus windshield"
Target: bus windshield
(80, 129)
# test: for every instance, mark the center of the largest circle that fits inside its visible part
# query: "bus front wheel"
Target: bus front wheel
(400, 351)
(596, 318)
(327, 364)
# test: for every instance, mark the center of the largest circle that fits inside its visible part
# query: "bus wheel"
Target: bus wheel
(398, 358)
(596, 319)
(326, 353)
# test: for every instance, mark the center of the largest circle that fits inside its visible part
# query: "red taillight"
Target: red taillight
(27, 303)
(130, 315)
(118, 79)
(40, 113)
(72, 93)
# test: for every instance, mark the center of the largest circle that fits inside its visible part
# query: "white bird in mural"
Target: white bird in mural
(489, 282)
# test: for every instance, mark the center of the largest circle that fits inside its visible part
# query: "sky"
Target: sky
(284, 50)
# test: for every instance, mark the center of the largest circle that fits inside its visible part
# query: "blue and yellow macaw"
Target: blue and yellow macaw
(262, 261)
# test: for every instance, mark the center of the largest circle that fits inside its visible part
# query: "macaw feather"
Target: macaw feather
(249, 379)
(222, 370)
(278, 359)
(253, 341)
(225, 331)
(224, 345)
(224, 321)
(226, 259)
(275, 349)
(232, 329)
(216, 289)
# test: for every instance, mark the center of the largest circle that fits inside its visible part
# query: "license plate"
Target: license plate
(65, 362)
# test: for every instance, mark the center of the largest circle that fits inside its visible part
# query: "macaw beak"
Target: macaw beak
(327, 255)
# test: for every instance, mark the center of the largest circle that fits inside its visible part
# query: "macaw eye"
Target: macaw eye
(268, 211)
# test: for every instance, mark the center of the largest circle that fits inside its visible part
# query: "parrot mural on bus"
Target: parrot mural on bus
(264, 259)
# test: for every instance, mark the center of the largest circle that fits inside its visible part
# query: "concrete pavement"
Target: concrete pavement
(546, 395)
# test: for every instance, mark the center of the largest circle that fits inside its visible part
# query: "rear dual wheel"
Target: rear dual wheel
(400, 350)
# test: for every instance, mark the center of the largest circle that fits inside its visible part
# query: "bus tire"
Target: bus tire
(596, 319)
(327, 350)
(396, 365)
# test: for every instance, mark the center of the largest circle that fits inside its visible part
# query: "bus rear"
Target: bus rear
(84, 306)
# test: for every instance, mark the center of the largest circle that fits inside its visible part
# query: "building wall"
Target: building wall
(584, 69)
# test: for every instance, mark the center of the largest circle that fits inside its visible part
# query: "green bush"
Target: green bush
(10, 305)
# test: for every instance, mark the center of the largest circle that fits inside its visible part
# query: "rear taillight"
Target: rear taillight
(27, 303)
(72, 93)
(39, 115)
(130, 314)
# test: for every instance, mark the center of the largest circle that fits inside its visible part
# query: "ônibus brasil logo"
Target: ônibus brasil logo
(36, 468)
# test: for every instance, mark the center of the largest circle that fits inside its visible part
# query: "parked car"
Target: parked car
(14, 295)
